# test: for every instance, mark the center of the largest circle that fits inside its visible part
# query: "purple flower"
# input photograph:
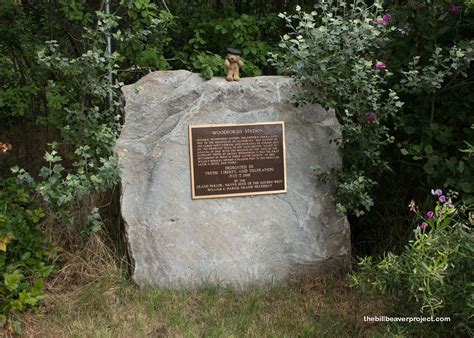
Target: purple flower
(421, 5)
(371, 116)
(430, 214)
(383, 20)
(455, 9)
(424, 225)
(437, 192)
(380, 66)
(442, 198)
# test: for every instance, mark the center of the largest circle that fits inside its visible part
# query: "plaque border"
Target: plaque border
(240, 194)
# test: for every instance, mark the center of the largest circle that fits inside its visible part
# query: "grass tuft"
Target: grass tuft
(107, 304)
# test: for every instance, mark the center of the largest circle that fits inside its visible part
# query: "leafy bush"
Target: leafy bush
(142, 35)
(435, 82)
(240, 32)
(399, 80)
(79, 100)
(434, 274)
(203, 32)
(208, 64)
(82, 101)
(26, 258)
(19, 95)
(332, 53)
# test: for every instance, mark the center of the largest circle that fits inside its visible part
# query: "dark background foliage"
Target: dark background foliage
(56, 99)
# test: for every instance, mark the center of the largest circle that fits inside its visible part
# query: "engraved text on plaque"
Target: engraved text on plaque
(237, 159)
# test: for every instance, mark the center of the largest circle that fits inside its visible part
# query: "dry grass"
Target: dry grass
(93, 262)
(91, 297)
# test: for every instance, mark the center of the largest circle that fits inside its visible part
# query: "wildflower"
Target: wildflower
(450, 203)
(421, 5)
(412, 206)
(430, 214)
(437, 192)
(371, 116)
(455, 9)
(423, 225)
(442, 198)
(4, 147)
(380, 66)
(383, 21)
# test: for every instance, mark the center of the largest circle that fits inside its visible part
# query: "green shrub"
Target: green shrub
(399, 79)
(208, 64)
(26, 258)
(434, 275)
(240, 32)
(332, 53)
(435, 82)
(203, 32)
(82, 102)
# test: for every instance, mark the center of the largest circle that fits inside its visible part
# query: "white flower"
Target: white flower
(299, 37)
(298, 8)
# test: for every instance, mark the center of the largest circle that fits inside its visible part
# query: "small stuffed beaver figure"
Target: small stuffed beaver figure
(232, 63)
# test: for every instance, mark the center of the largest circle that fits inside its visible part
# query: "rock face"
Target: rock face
(177, 242)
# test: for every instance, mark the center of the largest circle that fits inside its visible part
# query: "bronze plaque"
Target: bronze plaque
(237, 159)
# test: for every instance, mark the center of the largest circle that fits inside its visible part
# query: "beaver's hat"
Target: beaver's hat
(233, 51)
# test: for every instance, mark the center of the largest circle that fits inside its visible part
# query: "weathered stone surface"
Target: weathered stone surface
(179, 242)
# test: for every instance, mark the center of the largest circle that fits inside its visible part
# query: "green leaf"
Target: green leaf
(428, 168)
(409, 129)
(466, 187)
(18, 328)
(450, 165)
(207, 73)
(48, 157)
(428, 149)
(12, 280)
(443, 16)
(26, 256)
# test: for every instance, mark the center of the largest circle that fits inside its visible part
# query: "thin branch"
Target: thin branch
(456, 85)
(166, 6)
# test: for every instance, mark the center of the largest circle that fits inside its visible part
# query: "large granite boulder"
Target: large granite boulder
(178, 242)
